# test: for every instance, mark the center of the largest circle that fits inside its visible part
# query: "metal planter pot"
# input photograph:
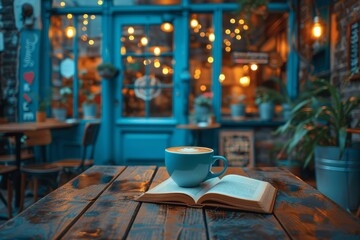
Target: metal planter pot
(237, 110)
(266, 111)
(339, 179)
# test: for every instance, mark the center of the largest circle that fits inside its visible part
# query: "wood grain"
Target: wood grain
(53, 214)
(162, 221)
(112, 213)
(229, 224)
(304, 212)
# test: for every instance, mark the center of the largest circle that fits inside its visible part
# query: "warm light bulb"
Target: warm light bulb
(166, 27)
(144, 41)
(317, 29)
(253, 67)
(221, 77)
(245, 81)
(70, 32)
(203, 88)
(157, 51)
(131, 30)
(194, 23)
(91, 42)
(211, 37)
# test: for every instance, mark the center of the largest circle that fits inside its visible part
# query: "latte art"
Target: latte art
(189, 150)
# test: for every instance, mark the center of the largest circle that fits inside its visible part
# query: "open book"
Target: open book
(232, 191)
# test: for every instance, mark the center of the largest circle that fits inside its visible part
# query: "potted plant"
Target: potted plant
(107, 70)
(318, 129)
(237, 105)
(59, 106)
(203, 107)
(266, 98)
(89, 105)
(41, 112)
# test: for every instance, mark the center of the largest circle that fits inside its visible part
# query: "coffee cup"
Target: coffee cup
(189, 166)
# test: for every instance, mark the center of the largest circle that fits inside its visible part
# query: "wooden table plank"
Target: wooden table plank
(229, 224)
(112, 213)
(53, 214)
(162, 221)
(303, 211)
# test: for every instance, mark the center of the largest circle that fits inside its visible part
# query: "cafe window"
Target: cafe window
(75, 71)
(254, 52)
(147, 59)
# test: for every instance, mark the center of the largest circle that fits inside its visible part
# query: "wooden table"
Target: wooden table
(98, 204)
(17, 130)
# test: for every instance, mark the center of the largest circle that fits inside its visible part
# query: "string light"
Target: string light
(245, 81)
(253, 67)
(167, 27)
(131, 30)
(194, 23)
(144, 41)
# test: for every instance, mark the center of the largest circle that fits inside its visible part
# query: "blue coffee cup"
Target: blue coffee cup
(189, 166)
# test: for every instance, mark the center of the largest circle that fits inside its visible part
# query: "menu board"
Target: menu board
(354, 49)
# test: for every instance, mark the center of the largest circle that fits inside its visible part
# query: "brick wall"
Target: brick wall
(8, 62)
(345, 13)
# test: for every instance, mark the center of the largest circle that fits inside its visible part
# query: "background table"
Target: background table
(98, 204)
(196, 130)
(17, 130)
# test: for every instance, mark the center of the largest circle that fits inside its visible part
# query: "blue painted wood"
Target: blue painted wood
(217, 64)
(106, 134)
(75, 77)
(293, 58)
(29, 75)
(45, 83)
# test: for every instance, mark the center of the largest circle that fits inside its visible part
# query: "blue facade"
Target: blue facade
(141, 140)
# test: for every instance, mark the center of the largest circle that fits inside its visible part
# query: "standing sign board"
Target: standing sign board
(29, 74)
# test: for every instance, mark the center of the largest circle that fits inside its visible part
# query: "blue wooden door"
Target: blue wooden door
(147, 88)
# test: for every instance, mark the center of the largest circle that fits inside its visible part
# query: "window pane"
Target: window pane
(148, 71)
(89, 46)
(146, 2)
(62, 62)
(201, 44)
(254, 52)
(88, 41)
(77, 3)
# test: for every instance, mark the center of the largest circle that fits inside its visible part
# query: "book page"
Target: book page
(169, 186)
(239, 187)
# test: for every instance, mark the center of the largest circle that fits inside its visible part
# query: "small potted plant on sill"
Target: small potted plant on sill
(203, 107)
(89, 106)
(266, 98)
(59, 104)
(107, 70)
(317, 128)
(41, 112)
(237, 106)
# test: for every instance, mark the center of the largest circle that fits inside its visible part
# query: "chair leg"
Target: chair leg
(9, 196)
(36, 188)
(22, 192)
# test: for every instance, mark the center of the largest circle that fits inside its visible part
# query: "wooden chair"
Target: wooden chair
(48, 171)
(78, 165)
(5, 171)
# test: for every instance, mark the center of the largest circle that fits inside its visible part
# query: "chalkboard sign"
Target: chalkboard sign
(354, 49)
(238, 147)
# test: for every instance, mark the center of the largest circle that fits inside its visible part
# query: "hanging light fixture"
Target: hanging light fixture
(317, 28)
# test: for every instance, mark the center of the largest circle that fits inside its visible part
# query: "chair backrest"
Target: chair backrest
(91, 132)
(38, 137)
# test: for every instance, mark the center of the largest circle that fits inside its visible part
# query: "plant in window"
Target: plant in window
(107, 70)
(202, 107)
(237, 105)
(60, 100)
(266, 98)
(89, 106)
(204, 100)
